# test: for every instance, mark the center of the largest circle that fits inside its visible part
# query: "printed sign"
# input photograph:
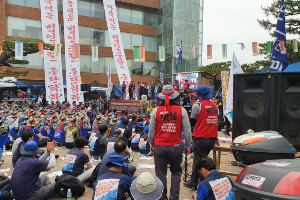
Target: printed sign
(222, 189)
(129, 106)
(69, 162)
(142, 144)
(254, 180)
(277, 164)
(136, 138)
(122, 131)
(106, 189)
(110, 145)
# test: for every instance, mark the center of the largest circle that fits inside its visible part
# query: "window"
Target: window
(16, 27)
(126, 39)
(124, 15)
(137, 17)
(85, 63)
(84, 35)
(137, 40)
(149, 19)
(149, 68)
(106, 39)
(98, 67)
(61, 32)
(84, 8)
(149, 43)
(98, 37)
(110, 61)
(16, 2)
(97, 10)
(35, 61)
(33, 29)
(32, 3)
(137, 68)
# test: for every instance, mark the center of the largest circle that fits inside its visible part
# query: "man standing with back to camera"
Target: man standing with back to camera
(168, 121)
(204, 119)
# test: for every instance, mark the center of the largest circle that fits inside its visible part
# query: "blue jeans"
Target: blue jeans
(142, 113)
(123, 95)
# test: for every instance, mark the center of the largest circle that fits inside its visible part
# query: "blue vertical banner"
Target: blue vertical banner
(19, 50)
(162, 74)
(178, 54)
(279, 61)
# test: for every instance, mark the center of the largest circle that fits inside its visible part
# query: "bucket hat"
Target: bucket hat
(30, 149)
(117, 160)
(204, 91)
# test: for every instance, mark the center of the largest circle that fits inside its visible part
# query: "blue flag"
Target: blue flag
(178, 54)
(279, 61)
(162, 74)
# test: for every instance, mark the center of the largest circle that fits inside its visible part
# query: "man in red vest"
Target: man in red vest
(204, 119)
(186, 87)
(176, 86)
(20, 93)
(167, 123)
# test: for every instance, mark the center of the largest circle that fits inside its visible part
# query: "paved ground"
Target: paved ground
(184, 192)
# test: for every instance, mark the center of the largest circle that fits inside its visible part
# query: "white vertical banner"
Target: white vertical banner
(71, 32)
(116, 42)
(53, 67)
(94, 53)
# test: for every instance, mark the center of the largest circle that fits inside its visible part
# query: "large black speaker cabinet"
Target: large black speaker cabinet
(288, 107)
(86, 87)
(217, 85)
(253, 103)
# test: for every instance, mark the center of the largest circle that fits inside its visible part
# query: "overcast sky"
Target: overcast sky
(231, 22)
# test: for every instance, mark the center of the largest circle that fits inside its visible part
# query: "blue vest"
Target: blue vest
(21, 130)
(43, 131)
(13, 132)
(84, 132)
(212, 177)
(145, 147)
(4, 140)
(62, 134)
(121, 188)
(96, 149)
(50, 133)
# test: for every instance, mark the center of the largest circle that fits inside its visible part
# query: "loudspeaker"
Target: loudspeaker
(253, 103)
(116, 97)
(288, 107)
(86, 87)
(217, 85)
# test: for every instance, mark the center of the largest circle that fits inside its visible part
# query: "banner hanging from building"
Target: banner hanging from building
(1, 50)
(142, 53)
(52, 67)
(116, 42)
(282, 47)
(71, 33)
(41, 49)
(224, 50)
(136, 54)
(209, 51)
(94, 53)
(254, 48)
(57, 51)
(193, 47)
(19, 50)
(224, 79)
(161, 54)
(269, 49)
(295, 45)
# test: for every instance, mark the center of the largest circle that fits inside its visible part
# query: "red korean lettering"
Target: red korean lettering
(75, 78)
(49, 8)
(54, 71)
(48, 1)
(124, 77)
(70, 10)
(75, 97)
(110, 7)
(54, 79)
(54, 97)
(111, 13)
(49, 15)
(113, 27)
(75, 88)
(54, 88)
(112, 20)
(70, 17)
(70, 3)
(74, 71)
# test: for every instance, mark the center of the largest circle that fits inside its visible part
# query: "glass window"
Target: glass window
(106, 39)
(149, 68)
(61, 32)
(33, 3)
(126, 39)
(16, 2)
(63, 61)
(137, 40)
(85, 63)
(124, 15)
(59, 6)
(97, 10)
(35, 61)
(84, 8)
(149, 19)
(137, 68)
(98, 67)
(110, 61)
(149, 43)
(98, 36)
(137, 17)
(84, 35)
(33, 29)
(16, 27)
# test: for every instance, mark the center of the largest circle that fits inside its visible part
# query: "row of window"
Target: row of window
(86, 65)
(96, 10)
(28, 28)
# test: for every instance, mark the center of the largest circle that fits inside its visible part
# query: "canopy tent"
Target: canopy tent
(8, 82)
(96, 84)
(294, 67)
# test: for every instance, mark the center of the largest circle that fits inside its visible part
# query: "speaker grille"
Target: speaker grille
(252, 125)
(253, 106)
(292, 134)
(292, 107)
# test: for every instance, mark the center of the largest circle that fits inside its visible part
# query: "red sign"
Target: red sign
(131, 106)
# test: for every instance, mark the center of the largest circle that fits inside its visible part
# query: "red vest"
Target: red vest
(168, 127)
(176, 87)
(207, 120)
(186, 86)
(21, 94)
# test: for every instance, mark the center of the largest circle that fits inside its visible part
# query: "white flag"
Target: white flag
(235, 69)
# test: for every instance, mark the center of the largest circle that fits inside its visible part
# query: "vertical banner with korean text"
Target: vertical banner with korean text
(19, 50)
(116, 42)
(136, 54)
(295, 45)
(94, 53)
(209, 51)
(52, 66)
(224, 79)
(269, 47)
(254, 48)
(71, 33)
(224, 50)
(162, 56)
(142, 53)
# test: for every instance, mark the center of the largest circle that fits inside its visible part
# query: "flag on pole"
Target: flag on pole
(161, 74)
(269, 45)
(209, 51)
(41, 49)
(234, 69)
(94, 53)
(193, 47)
(162, 56)
(57, 51)
(109, 80)
(19, 50)
(242, 46)
(295, 45)
(178, 54)
(224, 50)
(254, 48)
(279, 61)
(136, 54)
(142, 53)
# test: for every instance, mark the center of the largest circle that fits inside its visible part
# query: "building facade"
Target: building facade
(149, 23)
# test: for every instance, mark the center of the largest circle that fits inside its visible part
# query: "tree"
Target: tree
(257, 66)
(292, 11)
(213, 71)
(8, 56)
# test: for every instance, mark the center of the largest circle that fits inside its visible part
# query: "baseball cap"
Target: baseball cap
(117, 160)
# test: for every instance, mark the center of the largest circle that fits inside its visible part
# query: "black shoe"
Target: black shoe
(189, 185)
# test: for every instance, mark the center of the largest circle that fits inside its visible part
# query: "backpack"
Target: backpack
(94, 176)
(144, 105)
(69, 182)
